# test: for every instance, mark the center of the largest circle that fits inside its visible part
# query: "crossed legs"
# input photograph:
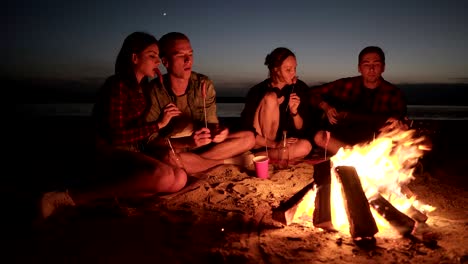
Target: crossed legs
(332, 145)
(130, 175)
(230, 151)
(266, 123)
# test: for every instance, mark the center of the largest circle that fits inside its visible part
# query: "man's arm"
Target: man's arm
(317, 95)
(210, 102)
(155, 109)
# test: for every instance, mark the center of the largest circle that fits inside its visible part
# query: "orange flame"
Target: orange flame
(384, 166)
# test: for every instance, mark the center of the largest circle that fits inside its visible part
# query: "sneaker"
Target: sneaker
(51, 201)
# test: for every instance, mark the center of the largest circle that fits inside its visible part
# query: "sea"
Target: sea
(70, 98)
(415, 112)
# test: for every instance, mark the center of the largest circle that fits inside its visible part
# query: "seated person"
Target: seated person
(356, 108)
(274, 106)
(121, 168)
(185, 101)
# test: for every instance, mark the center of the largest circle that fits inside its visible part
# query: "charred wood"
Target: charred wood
(401, 222)
(285, 212)
(322, 178)
(412, 211)
(361, 221)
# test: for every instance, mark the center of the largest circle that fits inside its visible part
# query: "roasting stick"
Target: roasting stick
(176, 157)
(204, 102)
(170, 145)
(292, 90)
(326, 143)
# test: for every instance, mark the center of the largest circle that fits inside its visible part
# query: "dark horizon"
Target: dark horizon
(28, 91)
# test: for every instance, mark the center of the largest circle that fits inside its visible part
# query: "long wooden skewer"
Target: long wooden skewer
(204, 102)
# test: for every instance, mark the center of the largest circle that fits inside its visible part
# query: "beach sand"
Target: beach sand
(223, 217)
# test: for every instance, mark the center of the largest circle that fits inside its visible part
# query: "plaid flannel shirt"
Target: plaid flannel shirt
(346, 95)
(120, 113)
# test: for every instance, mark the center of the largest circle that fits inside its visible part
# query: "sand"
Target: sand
(225, 216)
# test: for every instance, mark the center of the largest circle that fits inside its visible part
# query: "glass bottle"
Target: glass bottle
(283, 154)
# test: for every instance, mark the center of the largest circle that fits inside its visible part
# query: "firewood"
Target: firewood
(322, 178)
(401, 222)
(285, 212)
(412, 211)
(361, 222)
(416, 215)
(322, 175)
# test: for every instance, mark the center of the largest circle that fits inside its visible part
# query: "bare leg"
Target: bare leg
(266, 120)
(300, 149)
(217, 154)
(194, 163)
(130, 175)
(334, 144)
(235, 144)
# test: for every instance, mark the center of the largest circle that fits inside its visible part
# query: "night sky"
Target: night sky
(425, 41)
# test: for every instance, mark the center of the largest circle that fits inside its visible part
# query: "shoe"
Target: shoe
(51, 201)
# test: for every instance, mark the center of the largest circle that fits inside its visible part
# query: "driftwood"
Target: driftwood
(361, 221)
(286, 211)
(400, 221)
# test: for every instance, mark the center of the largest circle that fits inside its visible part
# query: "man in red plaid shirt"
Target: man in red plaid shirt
(356, 108)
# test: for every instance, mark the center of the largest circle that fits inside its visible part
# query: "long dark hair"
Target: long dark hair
(134, 43)
(277, 57)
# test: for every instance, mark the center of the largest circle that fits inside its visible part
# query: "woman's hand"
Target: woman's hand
(294, 101)
(201, 137)
(169, 111)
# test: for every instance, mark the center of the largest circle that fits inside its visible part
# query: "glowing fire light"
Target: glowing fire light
(384, 166)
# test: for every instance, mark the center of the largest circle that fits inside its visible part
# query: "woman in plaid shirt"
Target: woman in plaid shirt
(122, 168)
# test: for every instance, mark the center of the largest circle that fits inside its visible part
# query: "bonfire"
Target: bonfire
(366, 192)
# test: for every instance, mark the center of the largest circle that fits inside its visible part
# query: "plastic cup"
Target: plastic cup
(261, 166)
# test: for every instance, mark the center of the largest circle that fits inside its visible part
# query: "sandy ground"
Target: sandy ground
(226, 217)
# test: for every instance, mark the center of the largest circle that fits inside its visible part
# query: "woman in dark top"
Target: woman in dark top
(273, 108)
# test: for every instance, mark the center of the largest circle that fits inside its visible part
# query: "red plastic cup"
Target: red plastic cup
(261, 166)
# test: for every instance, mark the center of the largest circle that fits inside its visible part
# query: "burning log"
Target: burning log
(286, 211)
(361, 222)
(412, 211)
(322, 178)
(322, 214)
(416, 214)
(401, 222)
